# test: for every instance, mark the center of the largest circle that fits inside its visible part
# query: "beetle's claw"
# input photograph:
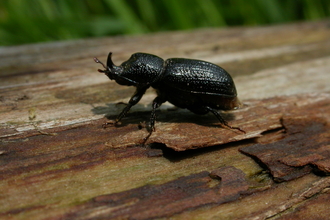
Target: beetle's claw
(236, 128)
(106, 124)
(240, 130)
(111, 123)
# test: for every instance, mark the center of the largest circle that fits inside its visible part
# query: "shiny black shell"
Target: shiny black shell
(191, 84)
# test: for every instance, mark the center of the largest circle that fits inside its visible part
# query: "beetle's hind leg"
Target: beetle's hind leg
(222, 120)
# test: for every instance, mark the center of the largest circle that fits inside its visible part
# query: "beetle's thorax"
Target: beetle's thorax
(140, 69)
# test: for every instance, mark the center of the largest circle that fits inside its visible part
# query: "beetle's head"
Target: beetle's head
(113, 72)
(139, 69)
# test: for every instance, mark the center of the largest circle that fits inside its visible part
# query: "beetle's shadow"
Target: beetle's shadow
(185, 116)
(169, 115)
(141, 113)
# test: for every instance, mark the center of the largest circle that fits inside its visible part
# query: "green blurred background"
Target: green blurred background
(30, 21)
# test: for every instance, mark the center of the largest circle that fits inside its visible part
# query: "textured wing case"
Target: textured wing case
(196, 76)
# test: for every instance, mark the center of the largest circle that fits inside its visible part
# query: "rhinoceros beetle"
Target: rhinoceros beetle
(196, 85)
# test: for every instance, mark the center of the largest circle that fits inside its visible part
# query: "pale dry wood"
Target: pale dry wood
(56, 86)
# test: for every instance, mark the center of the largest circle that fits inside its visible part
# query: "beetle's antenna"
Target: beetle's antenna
(98, 61)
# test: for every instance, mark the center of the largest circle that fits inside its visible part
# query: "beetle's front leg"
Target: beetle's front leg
(139, 92)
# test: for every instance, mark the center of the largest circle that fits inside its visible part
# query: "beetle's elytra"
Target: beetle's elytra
(197, 85)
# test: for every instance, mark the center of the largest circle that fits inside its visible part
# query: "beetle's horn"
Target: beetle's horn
(109, 61)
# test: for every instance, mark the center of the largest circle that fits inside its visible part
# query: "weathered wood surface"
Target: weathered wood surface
(57, 162)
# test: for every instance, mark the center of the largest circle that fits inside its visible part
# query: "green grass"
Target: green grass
(29, 21)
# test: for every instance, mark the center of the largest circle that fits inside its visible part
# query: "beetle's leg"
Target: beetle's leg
(222, 121)
(139, 92)
(158, 101)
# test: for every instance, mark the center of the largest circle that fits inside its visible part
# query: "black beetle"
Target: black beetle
(197, 85)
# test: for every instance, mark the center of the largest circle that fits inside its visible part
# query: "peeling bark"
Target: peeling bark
(305, 147)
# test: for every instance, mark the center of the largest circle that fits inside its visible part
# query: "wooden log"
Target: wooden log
(57, 162)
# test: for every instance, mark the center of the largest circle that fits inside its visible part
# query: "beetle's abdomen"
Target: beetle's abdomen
(191, 83)
(196, 76)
